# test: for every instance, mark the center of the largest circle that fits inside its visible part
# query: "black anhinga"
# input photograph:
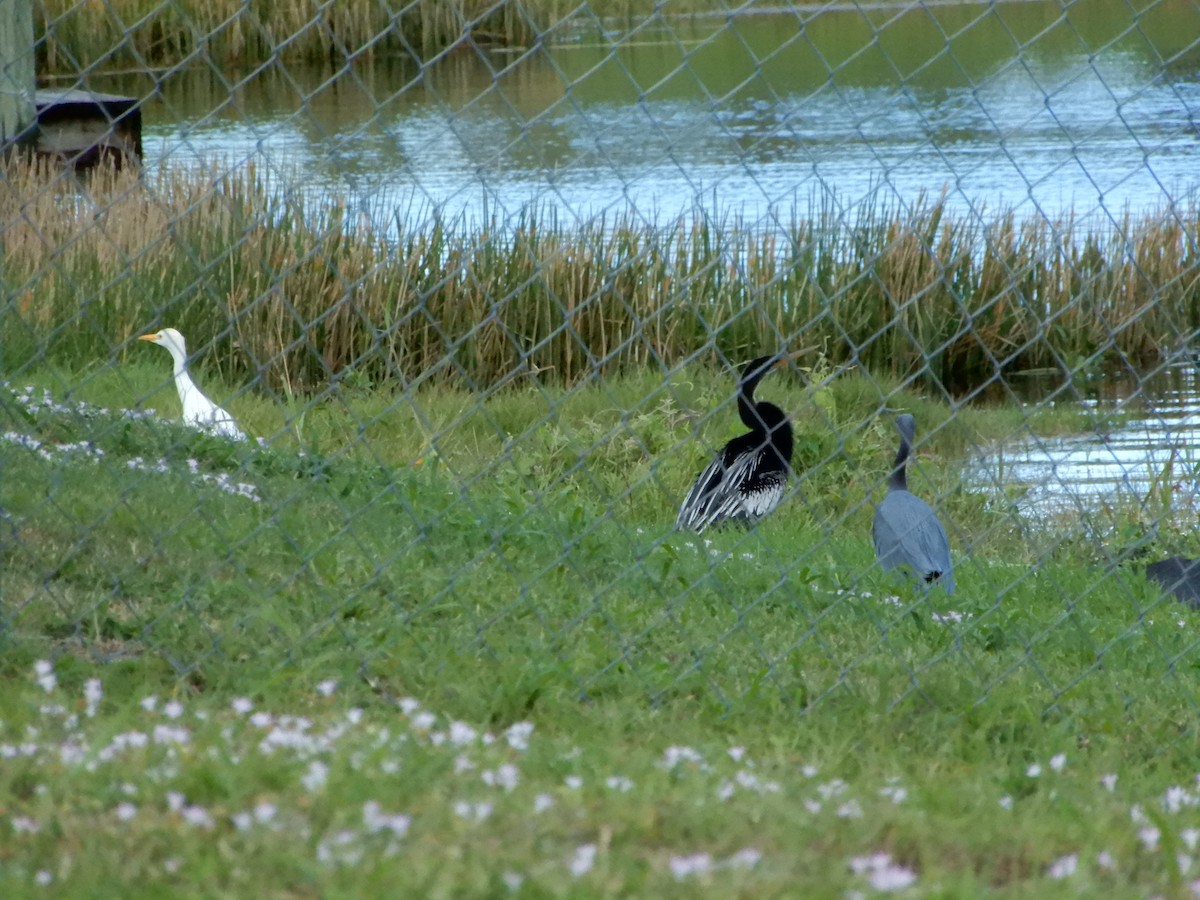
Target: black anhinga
(906, 530)
(1180, 576)
(748, 478)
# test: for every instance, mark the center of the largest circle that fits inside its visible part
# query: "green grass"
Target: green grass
(510, 560)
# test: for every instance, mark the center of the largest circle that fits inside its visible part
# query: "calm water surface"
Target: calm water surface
(1161, 434)
(1041, 106)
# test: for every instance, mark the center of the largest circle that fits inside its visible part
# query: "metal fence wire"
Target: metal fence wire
(476, 283)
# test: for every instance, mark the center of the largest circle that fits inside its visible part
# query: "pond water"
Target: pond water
(1041, 106)
(1156, 446)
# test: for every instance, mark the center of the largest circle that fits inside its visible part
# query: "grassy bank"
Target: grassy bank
(273, 291)
(454, 648)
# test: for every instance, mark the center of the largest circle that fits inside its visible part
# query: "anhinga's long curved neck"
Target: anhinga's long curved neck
(747, 409)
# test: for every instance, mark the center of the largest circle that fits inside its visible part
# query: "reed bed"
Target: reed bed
(269, 289)
(135, 34)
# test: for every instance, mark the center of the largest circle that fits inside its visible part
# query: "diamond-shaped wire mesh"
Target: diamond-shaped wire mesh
(478, 281)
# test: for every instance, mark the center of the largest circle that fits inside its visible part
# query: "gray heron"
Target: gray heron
(906, 530)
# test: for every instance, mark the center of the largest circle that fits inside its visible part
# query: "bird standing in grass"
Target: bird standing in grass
(748, 478)
(198, 410)
(1180, 576)
(906, 530)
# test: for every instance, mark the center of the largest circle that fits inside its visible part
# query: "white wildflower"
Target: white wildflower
(686, 866)
(883, 874)
(25, 825)
(518, 735)
(513, 880)
(746, 858)
(1063, 867)
(125, 811)
(316, 776)
(472, 812)
(46, 678)
(505, 776)
(376, 820)
(582, 861)
(461, 733)
(92, 693)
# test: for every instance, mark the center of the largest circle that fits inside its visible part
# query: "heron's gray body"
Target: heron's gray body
(908, 534)
(906, 530)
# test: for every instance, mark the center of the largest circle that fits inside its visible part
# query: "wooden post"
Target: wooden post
(17, 111)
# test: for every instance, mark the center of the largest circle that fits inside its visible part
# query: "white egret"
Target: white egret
(198, 410)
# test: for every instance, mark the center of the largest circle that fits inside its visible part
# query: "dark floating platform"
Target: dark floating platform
(82, 128)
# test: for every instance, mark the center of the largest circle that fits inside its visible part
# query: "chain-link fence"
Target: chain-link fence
(479, 283)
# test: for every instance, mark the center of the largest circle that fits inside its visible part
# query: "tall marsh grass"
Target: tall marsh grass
(271, 288)
(124, 34)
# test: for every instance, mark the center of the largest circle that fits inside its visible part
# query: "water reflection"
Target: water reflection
(1157, 446)
(1023, 104)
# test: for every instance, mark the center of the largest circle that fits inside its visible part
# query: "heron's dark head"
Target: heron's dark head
(907, 426)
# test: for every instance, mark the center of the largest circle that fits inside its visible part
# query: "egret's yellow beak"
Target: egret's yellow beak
(148, 337)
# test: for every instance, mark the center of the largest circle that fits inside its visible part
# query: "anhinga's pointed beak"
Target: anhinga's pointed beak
(794, 355)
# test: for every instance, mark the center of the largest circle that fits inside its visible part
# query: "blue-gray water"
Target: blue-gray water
(1040, 106)
(1153, 452)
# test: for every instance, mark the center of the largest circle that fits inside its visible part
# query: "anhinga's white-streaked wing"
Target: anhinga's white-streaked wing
(748, 478)
(731, 493)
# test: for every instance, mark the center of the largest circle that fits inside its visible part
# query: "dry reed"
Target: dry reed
(125, 34)
(298, 297)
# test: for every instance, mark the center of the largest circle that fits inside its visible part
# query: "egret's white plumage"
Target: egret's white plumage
(198, 410)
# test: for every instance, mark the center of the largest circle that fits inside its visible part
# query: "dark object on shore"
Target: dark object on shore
(1180, 576)
(82, 129)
